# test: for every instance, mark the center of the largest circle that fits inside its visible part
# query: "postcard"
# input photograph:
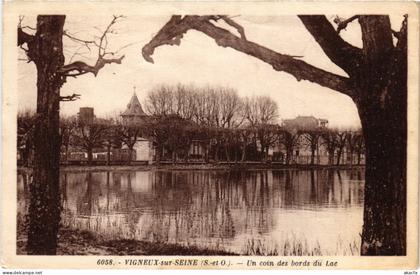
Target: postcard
(210, 135)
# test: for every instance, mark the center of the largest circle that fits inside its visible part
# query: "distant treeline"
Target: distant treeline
(226, 126)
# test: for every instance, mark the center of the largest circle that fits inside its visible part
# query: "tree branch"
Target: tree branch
(24, 37)
(342, 24)
(232, 23)
(72, 97)
(338, 51)
(79, 67)
(172, 32)
(81, 41)
(29, 40)
(83, 68)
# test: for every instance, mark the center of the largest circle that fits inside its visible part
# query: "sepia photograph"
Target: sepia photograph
(237, 135)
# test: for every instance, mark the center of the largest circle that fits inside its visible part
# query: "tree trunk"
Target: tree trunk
(243, 155)
(384, 221)
(216, 152)
(289, 155)
(382, 107)
(173, 157)
(266, 153)
(67, 154)
(313, 156)
(385, 133)
(130, 155)
(262, 155)
(108, 154)
(44, 208)
(226, 147)
(206, 153)
(339, 152)
(351, 156)
(158, 154)
(90, 155)
(331, 157)
(186, 155)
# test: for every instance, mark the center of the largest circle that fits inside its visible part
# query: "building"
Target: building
(135, 116)
(302, 152)
(86, 115)
(305, 123)
(134, 113)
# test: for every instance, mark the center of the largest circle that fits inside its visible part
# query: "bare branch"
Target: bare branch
(83, 68)
(24, 37)
(342, 24)
(126, 46)
(172, 32)
(77, 53)
(232, 23)
(21, 17)
(86, 43)
(103, 38)
(79, 67)
(29, 40)
(72, 97)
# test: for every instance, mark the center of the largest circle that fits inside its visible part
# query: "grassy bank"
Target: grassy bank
(79, 242)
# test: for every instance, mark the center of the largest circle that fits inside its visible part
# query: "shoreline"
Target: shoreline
(198, 167)
(80, 242)
(76, 242)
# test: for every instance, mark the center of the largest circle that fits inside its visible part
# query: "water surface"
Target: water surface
(249, 212)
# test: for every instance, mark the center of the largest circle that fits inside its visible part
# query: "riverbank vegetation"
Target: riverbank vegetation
(82, 242)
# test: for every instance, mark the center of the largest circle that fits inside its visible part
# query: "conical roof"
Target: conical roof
(134, 107)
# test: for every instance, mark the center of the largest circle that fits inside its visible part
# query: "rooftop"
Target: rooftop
(305, 122)
(134, 107)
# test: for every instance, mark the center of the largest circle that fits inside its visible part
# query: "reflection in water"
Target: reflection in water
(216, 209)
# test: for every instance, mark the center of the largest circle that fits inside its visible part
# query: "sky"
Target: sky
(199, 61)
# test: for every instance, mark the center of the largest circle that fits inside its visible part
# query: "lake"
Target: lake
(259, 212)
